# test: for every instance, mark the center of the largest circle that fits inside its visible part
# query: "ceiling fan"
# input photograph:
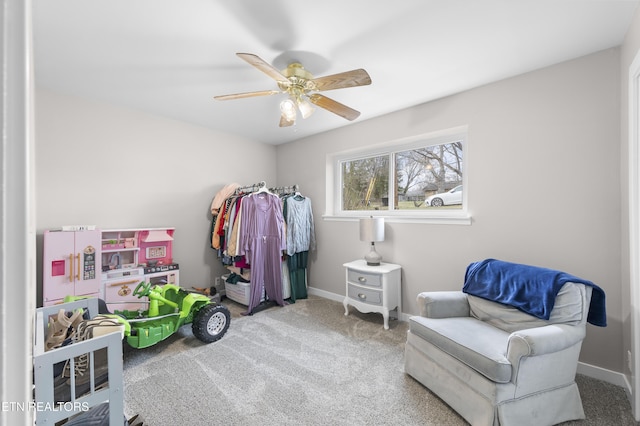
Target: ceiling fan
(302, 89)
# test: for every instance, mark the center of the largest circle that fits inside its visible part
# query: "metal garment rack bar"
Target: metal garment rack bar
(250, 188)
(281, 190)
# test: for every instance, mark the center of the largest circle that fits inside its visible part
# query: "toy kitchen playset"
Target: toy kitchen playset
(107, 263)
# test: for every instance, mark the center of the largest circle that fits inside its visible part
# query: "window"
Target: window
(365, 183)
(419, 178)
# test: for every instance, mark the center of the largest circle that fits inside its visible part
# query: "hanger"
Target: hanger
(297, 195)
(263, 189)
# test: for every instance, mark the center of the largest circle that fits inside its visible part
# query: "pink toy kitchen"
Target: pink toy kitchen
(110, 265)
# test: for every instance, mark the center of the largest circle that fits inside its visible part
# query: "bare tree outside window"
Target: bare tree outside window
(427, 171)
(365, 184)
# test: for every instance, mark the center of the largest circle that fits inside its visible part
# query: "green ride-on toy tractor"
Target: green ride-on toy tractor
(171, 307)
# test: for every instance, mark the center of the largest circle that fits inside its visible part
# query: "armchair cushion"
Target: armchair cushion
(475, 343)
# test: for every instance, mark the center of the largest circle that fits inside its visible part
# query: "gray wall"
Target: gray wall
(544, 187)
(120, 168)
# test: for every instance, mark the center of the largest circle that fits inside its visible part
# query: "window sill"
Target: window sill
(461, 219)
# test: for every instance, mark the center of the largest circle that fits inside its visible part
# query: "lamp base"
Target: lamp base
(373, 258)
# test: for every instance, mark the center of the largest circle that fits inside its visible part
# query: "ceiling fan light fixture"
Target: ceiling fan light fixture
(288, 109)
(306, 108)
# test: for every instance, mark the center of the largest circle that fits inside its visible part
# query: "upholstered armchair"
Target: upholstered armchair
(496, 363)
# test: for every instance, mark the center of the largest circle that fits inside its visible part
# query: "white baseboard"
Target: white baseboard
(588, 370)
(326, 294)
(605, 375)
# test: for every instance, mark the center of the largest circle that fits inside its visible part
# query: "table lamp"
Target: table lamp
(372, 229)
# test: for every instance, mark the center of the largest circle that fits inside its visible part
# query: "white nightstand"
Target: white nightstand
(373, 288)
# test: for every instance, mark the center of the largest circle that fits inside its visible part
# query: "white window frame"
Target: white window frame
(441, 216)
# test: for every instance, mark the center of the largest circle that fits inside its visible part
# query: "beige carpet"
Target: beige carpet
(302, 364)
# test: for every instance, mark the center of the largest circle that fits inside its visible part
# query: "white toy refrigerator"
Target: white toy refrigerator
(72, 265)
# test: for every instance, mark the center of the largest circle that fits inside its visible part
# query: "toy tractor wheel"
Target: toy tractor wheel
(211, 323)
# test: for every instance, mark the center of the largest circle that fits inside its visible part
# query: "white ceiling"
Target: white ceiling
(170, 57)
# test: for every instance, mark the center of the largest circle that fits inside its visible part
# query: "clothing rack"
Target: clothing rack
(227, 236)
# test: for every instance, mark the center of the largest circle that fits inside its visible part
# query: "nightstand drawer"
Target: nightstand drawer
(364, 295)
(364, 278)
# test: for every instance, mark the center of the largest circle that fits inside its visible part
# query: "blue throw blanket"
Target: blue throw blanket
(531, 289)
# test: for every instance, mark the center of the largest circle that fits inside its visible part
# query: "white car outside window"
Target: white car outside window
(453, 196)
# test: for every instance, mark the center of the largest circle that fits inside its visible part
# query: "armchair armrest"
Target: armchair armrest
(443, 304)
(542, 340)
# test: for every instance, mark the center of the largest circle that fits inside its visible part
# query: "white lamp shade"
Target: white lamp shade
(288, 108)
(306, 108)
(372, 229)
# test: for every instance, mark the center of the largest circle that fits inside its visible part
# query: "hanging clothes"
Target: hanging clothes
(216, 203)
(301, 235)
(221, 196)
(262, 241)
(234, 226)
(301, 238)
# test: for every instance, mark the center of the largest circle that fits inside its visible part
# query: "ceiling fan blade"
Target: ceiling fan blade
(285, 122)
(264, 66)
(246, 95)
(334, 106)
(342, 80)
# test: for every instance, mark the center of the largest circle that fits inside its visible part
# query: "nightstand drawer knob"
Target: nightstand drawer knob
(362, 279)
(362, 296)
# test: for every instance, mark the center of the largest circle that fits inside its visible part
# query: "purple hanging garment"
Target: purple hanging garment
(262, 241)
